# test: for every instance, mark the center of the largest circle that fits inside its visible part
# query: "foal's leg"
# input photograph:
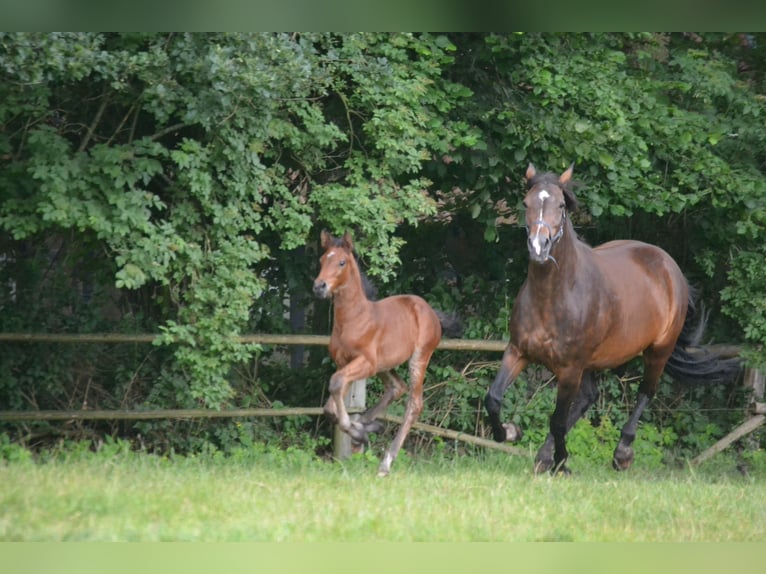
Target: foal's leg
(418, 364)
(394, 388)
(587, 395)
(335, 408)
(654, 363)
(510, 366)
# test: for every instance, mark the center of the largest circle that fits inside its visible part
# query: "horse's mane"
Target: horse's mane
(553, 179)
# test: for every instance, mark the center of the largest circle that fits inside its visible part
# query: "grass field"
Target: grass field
(265, 494)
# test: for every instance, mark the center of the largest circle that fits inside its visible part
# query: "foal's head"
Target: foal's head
(547, 200)
(335, 264)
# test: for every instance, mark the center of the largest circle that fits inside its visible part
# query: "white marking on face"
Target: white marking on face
(543, 195)
(330, 254)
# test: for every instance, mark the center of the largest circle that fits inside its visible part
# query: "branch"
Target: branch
(168, 130)
(96, 120)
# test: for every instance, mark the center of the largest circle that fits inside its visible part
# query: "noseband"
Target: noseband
(554, 238)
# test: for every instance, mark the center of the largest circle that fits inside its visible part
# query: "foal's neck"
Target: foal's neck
(351, 300)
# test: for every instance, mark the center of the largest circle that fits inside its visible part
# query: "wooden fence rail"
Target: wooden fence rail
(757, 408)
(264, 339)
(341, 447)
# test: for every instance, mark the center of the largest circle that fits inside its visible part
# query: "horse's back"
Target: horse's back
(407, 323)
(637, 264)
(652, 292)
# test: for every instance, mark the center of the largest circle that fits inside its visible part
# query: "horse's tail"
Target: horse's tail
(692, 363)
(452, 325)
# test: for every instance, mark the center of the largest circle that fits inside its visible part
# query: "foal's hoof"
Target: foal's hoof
(623, 457)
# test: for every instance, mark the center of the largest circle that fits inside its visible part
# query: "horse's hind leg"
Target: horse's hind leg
(418, 364)
(653, 366)
(394, 388)
(586, 396)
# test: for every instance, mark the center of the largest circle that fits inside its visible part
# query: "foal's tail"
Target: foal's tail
(452, 325)
(692, 363)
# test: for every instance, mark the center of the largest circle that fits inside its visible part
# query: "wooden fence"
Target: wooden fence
(753, 380)
(342, 444)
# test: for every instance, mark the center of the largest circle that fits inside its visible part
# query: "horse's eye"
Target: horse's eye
(562, 205)
(342, 262)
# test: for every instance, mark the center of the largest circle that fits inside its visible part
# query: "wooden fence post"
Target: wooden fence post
(355, 399)
(754, 380)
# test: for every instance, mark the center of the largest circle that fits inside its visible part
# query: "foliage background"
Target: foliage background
(177, 183)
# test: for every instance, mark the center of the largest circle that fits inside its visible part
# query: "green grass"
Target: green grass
(267, 495)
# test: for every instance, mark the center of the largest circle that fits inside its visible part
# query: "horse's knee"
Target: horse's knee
(336, 384)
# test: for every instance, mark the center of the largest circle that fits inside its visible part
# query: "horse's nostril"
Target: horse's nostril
(320, 287)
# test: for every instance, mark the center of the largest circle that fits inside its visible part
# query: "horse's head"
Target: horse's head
(334, 265)
(547, 200)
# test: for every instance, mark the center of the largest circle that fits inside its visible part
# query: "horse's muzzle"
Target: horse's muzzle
(539, 248)
(321, 289)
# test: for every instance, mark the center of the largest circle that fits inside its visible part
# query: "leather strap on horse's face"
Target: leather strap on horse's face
(559, 233)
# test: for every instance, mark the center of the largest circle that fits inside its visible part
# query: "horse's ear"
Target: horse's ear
(325, 239)
(348, 240)
(531, 171)
(567, 175)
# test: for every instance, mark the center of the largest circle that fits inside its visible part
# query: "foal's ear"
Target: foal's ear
(348, 240)
(531, 171)
(567, 175)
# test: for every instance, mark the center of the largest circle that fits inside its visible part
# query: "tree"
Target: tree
(188, 162)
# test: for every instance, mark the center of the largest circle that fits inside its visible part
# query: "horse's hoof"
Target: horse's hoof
(385, 465)
(561, 470)
(513, 432)
(623, 458)
(543, 466)
(358, 433)
(374, 427)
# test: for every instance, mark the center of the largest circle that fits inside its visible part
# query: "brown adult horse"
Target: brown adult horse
(373, 337)
(583, 309)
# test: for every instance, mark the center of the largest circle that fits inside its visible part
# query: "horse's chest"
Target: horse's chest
(544, 342)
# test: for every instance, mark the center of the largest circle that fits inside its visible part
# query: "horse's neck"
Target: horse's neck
(350, 301)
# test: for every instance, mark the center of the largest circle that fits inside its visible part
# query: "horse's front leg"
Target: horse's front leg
(510, 366)
(335, 409)
(568, 386)
(586, 396)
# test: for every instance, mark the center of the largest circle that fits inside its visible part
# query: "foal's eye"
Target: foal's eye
(562, 205)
